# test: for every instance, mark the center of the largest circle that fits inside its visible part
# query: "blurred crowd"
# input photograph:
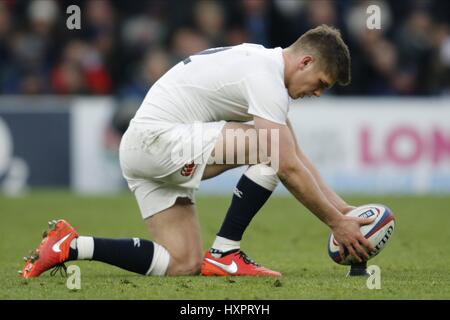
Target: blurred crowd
(123, 47)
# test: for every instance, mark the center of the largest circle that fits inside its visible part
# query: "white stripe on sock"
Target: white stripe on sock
(85, 247)
(224, 244)
(160, 262)
(261, 174)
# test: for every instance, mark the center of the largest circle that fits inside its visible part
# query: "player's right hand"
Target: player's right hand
(350, 239)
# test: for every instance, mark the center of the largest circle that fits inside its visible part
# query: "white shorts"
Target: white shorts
(163, 161)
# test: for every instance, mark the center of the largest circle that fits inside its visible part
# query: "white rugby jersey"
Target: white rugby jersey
(229, 83)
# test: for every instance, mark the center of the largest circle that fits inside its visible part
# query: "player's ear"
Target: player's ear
(305, 61)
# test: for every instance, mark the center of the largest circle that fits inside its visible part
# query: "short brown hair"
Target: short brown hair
(327, 43)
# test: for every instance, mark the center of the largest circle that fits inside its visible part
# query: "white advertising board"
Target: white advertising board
(95, 165)
(377, 145)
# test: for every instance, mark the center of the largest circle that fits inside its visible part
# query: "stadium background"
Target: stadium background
(79, 88)
(67, 96)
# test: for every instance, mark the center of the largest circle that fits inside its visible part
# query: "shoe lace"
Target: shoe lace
(247, 259)
(61, 268)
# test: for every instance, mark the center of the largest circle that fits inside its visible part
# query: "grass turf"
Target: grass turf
(283, 236)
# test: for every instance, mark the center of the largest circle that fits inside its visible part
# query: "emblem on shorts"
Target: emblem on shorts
(188, 169)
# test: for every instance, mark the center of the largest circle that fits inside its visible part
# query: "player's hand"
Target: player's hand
(350, 239)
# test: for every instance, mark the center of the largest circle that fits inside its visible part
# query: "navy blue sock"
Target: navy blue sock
(73, 254)
(132, 254)
(248, 198)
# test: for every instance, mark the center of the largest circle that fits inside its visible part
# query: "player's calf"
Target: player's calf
(133, 254)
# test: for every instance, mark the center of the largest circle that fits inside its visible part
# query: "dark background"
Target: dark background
(123, 47)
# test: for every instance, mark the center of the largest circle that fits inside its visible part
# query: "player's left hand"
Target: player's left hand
(350, 239)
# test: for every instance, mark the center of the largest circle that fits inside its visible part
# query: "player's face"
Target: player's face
(308, 79)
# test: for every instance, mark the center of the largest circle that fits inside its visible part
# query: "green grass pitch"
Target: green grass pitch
(283, 236)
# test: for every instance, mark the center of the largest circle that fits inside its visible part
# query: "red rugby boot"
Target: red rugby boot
(52, 251)
(234, 263)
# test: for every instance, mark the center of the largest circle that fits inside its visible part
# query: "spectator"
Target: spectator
(256, 21)
(209, 19)
(186, 42)
(156, 62)
(81, 71)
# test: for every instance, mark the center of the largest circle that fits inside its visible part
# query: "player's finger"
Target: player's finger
(361, 251)
(365, 221)
(369, 247)
(353, 253)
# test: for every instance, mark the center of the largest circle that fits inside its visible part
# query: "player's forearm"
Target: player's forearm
(301, 183)
(333, 197)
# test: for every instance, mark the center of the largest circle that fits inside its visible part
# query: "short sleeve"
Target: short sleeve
(267, 97)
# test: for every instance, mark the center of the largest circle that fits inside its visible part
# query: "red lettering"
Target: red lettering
(441, 146)
(366, 157)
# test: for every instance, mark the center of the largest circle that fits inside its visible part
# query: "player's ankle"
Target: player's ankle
(81, 248)
(222, 245)
(219, 253)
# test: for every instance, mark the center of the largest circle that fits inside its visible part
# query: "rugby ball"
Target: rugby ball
(378, 232)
